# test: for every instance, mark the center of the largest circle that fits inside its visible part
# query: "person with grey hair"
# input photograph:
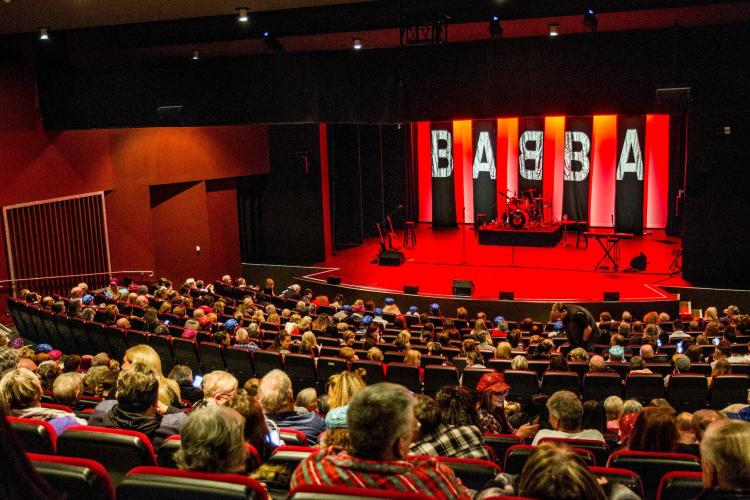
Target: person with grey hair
(276, 398)
(725, 460)
(212, 440)
(8, 360)
(183, 375)
(307, 399)
(702, 419)
(565, 414)
(381, 428)
(67, 390)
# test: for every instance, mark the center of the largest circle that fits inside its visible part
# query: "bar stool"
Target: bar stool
(410, 234)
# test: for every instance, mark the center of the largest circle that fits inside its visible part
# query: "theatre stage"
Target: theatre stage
(562, 272)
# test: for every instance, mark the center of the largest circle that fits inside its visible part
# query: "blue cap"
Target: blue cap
(87, 299)
(378, 311)
(337, 418)
(43, 348)
(367, 320)
(413, 309)
(230, 325)
(389, 301)
(434, 308)
(499, 319)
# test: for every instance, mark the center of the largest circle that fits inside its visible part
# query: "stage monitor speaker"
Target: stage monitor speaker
(611, 296)
(333, 280)
(170, 115)
(411, 289)
(506, 296)
(391, 258)
(463, 288)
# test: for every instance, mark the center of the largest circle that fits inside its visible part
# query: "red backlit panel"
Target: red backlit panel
(424, 174)
(603, 163)
(656, 176)
(507, 158)
(463, 157)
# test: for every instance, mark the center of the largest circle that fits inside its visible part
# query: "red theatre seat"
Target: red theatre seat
(160, 483)
(78, 478)
(652, 466)
(678, 485)
(324, 492)
(37, 436)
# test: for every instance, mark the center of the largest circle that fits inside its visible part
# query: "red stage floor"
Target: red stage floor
(563, 272)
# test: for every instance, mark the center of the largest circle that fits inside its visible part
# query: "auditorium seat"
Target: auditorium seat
(651, 466)
(373, 369)
(471, 376)
(325, 492)
(186, 353)
(499, 365)
(679, 485)
(77, 478)
(293, 437)
(211, 355)
(627, 478)
(116, 340)
(328, 366)
(265, 361)
(301, 370)
(135, 337)
(523, 384)
(37, 436)
(597, 448)
(560, 381)
(437, 377)
(160, 483)
(599, 386)
(428, 360)
(472, 472)
(644, 387)
(539, 366)
(117, 449)
(98, 338)
(500, 444)
(57, 406)
(728, 389)
(662, 369)
(393, 357)
(165, 455)
(579, 367)
(701, 369)
(163, 347)
(406, 375)
(622, 369)
(687, 392)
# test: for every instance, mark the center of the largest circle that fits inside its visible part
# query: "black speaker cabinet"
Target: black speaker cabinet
(333, 280)
(463, 288)
(506, 296)
(611, 296)
(391, 258)
(411, 289)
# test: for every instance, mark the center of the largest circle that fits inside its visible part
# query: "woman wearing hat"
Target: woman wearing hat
(492, 390)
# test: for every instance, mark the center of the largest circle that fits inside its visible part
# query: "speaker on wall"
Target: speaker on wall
(411, 289)
(463, 288)
(611, 296)
(506, 296)
(333, 280)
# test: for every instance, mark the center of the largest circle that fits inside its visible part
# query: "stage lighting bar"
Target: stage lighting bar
(422, 31)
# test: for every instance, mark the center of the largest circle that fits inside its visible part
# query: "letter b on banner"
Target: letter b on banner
(443, 190)
(442, 154)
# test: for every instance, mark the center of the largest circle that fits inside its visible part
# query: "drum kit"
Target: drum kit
(526, 210)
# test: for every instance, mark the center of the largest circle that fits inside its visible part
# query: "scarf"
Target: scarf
(118, 418)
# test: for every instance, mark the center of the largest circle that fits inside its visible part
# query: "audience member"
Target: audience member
(256, 427)
(654, 430)
(218, 388)
(686, 440)
(565, 414)
(275, 395)
(725, 460)
(212, 440)
(183, 375)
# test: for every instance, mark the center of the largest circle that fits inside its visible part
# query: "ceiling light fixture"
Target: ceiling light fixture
(242, 16)
(553, 29)
(196, 55)
(44, 33)
(357, 44)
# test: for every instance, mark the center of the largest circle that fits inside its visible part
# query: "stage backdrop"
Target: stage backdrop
(607, 170)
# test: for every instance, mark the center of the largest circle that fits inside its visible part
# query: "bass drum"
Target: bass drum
(518, 219)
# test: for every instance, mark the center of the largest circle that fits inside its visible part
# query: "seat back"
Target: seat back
(293, 437)
(515, 458)
(678, 485)
(470, 376)
(186, 353)
(290, 457)
(78, 478)
(163, 347)
(265, 361)
(37, 436)
(599, 386)
(373, 369)
(728, 389)
(119, 450)
(211, 355)
(499, 365)
(472, 472)
(98, 338)
(325, 492)
(328, 366)
(644, 387)
(523, 384)
(116, 340)
(627, 478)
(437, 377)
(239, 363)
(80, 335)
(599, 449)
(393, 356)
(136, 337)
(500, 444)
(63, 328)
(404, 374)
(160, 483)
(651, 466)
(560, 381)
(687, 392)
(301, 369)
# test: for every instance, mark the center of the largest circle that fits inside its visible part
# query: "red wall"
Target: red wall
(151, 224)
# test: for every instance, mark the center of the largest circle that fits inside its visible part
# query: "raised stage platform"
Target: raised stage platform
(547, 235)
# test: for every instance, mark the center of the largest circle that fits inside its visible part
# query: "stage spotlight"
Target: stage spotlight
(242, 15)
(553, 29)
(357, 44)
(44, 33)
(590, 21)
(272, 43)
(196, 55)
(496, 29)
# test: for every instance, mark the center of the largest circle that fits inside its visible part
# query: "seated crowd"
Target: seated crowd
(379, 435)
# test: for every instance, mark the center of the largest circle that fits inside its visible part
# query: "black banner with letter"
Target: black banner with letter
(530, 155)
(443, 191)
(577, 172)
(631, 133)
(484, 167)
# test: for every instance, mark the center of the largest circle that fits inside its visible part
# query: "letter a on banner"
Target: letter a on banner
(530, 155)
(484, 169)
(631, 133)
(577, 157)
(443, 192)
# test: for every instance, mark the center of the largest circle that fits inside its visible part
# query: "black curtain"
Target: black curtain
(631, 148)
(577, 175)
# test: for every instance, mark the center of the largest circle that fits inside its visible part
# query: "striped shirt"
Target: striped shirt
(335, 467)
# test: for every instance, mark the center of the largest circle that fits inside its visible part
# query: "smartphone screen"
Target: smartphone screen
(166, 322)
(197, 381)
(658, 342)
(680, 347)
(717, 340)
(273, 437)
